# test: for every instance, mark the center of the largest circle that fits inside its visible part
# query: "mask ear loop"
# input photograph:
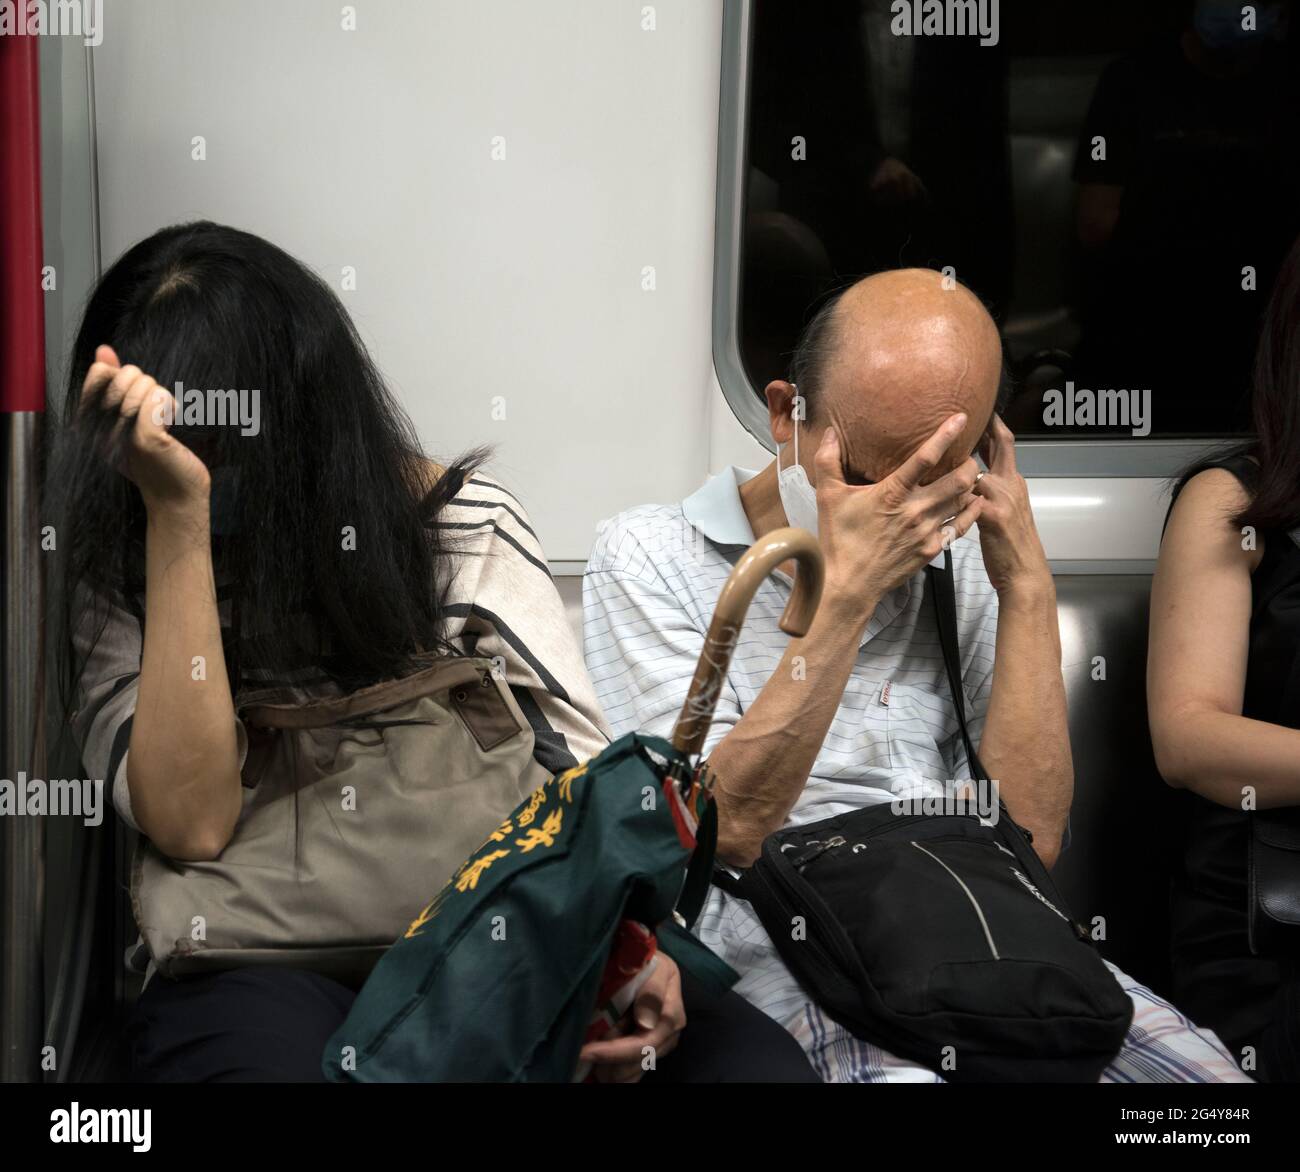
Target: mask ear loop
(794, 418)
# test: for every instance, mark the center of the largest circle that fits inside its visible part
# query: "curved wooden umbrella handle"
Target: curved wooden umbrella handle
(781, 545)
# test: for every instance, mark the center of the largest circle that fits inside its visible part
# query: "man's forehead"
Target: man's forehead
(885, 411)
(872, 453)
(908, 356)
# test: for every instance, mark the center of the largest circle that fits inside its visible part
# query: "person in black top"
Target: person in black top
(1223, 684)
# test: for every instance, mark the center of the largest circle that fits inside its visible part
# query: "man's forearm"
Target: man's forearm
(763, 763)
(1026, 741)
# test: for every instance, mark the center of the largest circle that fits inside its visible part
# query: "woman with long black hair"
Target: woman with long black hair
(1223, 684)
(240, 491)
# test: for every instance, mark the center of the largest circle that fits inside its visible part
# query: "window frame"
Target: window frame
(1143, 458)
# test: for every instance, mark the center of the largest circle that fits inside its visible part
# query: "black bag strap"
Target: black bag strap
(732, 884)
(943, 596)
(699, 872)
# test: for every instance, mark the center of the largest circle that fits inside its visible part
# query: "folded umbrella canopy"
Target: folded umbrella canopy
(537, 941)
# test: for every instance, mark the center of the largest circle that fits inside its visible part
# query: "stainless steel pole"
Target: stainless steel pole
(22, 912)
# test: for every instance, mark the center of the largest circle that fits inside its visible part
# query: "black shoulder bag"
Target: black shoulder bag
(936, 936)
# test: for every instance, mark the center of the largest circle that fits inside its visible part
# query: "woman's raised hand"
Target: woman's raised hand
(168, 475)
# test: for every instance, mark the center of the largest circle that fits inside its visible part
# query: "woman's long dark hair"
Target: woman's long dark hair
(1275, 406)
(1275, 410)
(212, 307)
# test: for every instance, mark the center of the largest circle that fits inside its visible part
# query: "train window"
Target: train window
(1118, 182)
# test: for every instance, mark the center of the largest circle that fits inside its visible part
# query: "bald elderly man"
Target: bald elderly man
(898, 378)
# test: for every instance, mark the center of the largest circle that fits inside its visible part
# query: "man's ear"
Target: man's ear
(781, 403)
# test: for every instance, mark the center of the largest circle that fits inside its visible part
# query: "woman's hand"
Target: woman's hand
(658, 1018)
(169, 476)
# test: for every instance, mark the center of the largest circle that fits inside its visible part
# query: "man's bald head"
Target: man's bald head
(889, 360)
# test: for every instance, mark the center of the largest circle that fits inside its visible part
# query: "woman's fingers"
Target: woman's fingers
(108, 380)
(121, 383)
(124, 389)
(129, 405)
(165, 471)
(118, 386)
(617, 1051)
(98, 377)
(612, 1050)
(135, 396)
(104, 366)
(154, 410)
(623, 1059)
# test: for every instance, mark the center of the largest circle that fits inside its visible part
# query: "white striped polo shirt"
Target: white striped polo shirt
(648, 596)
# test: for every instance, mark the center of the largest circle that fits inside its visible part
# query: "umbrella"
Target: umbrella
(540, 939)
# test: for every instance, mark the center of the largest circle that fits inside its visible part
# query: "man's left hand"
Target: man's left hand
(1013, 552)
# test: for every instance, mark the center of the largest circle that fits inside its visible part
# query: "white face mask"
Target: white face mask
(798, 497)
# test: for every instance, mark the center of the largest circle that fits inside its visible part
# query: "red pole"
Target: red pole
(22, 300)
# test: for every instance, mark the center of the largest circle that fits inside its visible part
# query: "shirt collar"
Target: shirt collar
(715, 510)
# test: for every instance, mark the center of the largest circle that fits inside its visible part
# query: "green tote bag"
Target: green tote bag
(498, 977)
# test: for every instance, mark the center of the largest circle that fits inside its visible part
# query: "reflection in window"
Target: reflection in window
(1118, 181)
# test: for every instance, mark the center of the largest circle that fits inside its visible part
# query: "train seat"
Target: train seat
(1124, 821)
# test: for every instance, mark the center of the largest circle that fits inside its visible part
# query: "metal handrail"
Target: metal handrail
(22, 908)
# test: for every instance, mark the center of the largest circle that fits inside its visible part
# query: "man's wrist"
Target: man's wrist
(1031, 588)
(843, 607)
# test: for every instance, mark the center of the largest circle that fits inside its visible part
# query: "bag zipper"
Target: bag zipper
(808, 903)
(975, 903)
(799, 859)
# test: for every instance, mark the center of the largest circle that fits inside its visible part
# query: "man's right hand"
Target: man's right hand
(873, 537)
(876, 536)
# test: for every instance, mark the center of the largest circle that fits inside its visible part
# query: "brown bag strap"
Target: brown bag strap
(267, 710)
